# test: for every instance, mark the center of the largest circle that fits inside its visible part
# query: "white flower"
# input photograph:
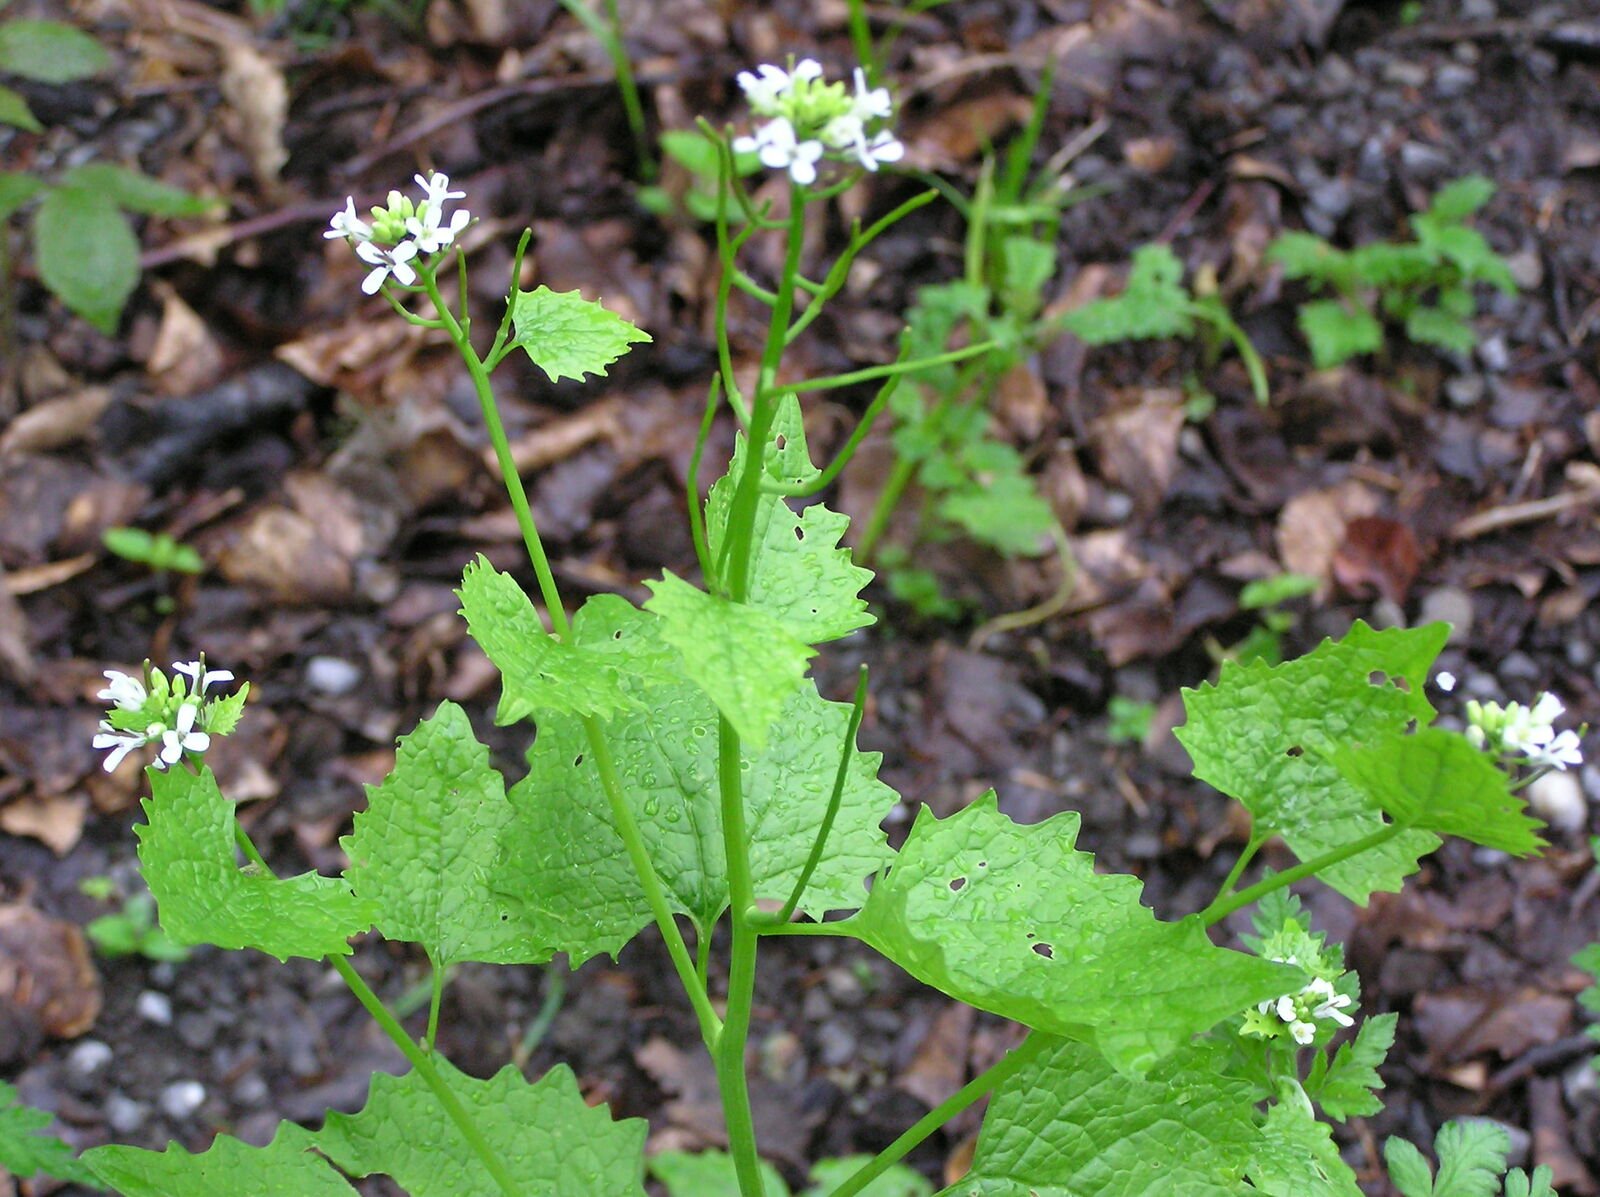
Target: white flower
(778, 149)
(1560, 752)
(429, 234)
(885, 147)
(201, 678)
(1333, 1003)
(348, 225)
(121, 743)
(125, 692)
(1303, 1032)
(438, 188)
(1446, 680)
(385, 262)
(871, 103)
(177, 740)
(1287, 1011)
(769, 84)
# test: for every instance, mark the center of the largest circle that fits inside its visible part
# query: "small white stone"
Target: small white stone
(124, 1115)
(181, 1099)
(155, 1007)
(88, 1057)
(1557, 798)
(332, 675)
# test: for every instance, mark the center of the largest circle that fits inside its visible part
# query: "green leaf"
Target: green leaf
(86, 253)
(27, 1150)
(157, 550)
(1069, 1125)
(1436, 781)
(136, 191)
(1265, 734)
(898, 1181)
(1520, 1184)
(743, 657)
(1307, 256)
(1279, 588)
(1153, 305)
(1347, 1087)
(186, 851)
(999, 505)
(708, 1174)
(1028, 264)
(1337, 332)
(1434, 326)
(548, 1136)
(1295, 1155)
(1472, 1157)
(940, 310)
(566, 864)
(221, 715)
(50, 52)
(567, 336)
(1456, 201)
(1013, 920)
(14, 111)
(1386, 264)
(540, 675)
(1589, 961)
(16, 189)
(287, 1167)
(423, 849)
(798, 572)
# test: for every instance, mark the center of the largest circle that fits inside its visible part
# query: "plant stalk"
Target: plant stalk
(1226, 905)
(979, 1086)
(418, 1059)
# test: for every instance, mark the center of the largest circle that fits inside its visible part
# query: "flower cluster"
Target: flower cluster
(1297, 1014)
(402, 229)
(1299, 1011)
(1527, 733)
(808, 119)
(172, 712)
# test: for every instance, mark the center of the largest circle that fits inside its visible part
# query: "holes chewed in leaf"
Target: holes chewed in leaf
(1294, 750)
(957, 884)
(1045, 950)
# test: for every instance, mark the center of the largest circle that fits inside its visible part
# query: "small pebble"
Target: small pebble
(1405, 73)
(155, 1007)
(1454, 80)
(332, 675)
(1465, 390)
(1478, 10)
(836, 1043)
(1419, 158)
(1527, 268)
(1452, 605)
(815, 1006)
(181, 1099)
(1581, 1083)
(1558, 800)
(1580, 653)
(1518, 666)
(1386, 613)
(844, 987)
(88, 1057)
(124, 1115)
(1493, 353)
(250, 1090)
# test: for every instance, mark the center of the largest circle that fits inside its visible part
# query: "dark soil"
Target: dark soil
(327, 463)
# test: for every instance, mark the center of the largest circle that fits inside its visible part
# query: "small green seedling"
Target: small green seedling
(132, 930)
(1472, 1163)
(1155, 305)
(1266, 595)
(1425, 285)
(1128, 720)
(700, 158)
(158, 550)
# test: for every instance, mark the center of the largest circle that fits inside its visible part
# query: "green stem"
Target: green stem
(419, 1059)
(729, 1053)
(626, 825)
(857, 709)
(697, 523)
(833, 382)
(435, 1000)
(1245, 857)
(861, 40)
(1224, 906)
(905, 469)
(608, 32)
(979, 1086)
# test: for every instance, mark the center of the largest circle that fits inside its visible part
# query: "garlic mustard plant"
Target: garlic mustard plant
(1153, 1054)
(1524, 734)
